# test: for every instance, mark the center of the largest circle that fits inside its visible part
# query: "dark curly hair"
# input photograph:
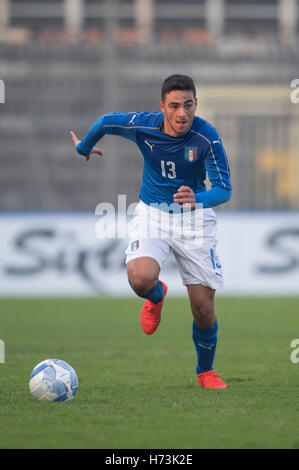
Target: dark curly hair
(177, 82)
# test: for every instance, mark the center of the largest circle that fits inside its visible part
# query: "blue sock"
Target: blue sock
(156, 294)
(205, 344)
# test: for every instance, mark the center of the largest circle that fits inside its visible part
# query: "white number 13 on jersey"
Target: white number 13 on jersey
(168, 169)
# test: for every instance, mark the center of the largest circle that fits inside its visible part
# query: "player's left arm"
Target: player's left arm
(219, 175)
(217, 167)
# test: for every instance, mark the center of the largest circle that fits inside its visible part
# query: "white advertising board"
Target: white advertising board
(260, 253)
(59, 254)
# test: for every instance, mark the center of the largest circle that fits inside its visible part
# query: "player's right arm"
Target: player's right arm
(86, 146)
(95, 150)
(113, 123)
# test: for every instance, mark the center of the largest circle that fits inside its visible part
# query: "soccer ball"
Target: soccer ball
(53, 380)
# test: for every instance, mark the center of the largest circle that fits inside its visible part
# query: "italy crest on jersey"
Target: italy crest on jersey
(190, 154)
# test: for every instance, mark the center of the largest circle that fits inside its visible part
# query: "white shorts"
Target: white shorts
(191, 237)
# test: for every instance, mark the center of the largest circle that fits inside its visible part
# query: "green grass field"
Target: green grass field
(139, 392)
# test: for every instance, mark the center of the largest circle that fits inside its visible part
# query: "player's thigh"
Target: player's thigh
(144, 259)
(199, 265)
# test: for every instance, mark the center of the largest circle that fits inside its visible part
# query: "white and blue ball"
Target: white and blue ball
(53, 380)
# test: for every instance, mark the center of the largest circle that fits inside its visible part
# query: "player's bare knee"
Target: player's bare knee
(141, 284)
(204, 314)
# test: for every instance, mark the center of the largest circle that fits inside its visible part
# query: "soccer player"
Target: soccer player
(179, 148)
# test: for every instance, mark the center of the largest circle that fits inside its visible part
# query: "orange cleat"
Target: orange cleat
(151, 314)
(210, 380)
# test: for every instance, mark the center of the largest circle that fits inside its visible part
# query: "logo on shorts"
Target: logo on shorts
(190, 154)
(135, 245)
(215, 262)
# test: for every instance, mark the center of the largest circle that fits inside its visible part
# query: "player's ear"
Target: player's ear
(162, 107)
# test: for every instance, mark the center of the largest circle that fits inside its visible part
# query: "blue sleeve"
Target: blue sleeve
(121, 124)
(95, 133)
(213, 197)
(217, 167)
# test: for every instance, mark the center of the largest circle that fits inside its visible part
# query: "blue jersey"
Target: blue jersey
(169, 162)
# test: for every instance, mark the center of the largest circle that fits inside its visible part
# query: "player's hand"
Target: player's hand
(95, 150)
(75, 138)
(185, 195)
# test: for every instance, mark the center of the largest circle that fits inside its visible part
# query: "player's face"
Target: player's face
(179, 109)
